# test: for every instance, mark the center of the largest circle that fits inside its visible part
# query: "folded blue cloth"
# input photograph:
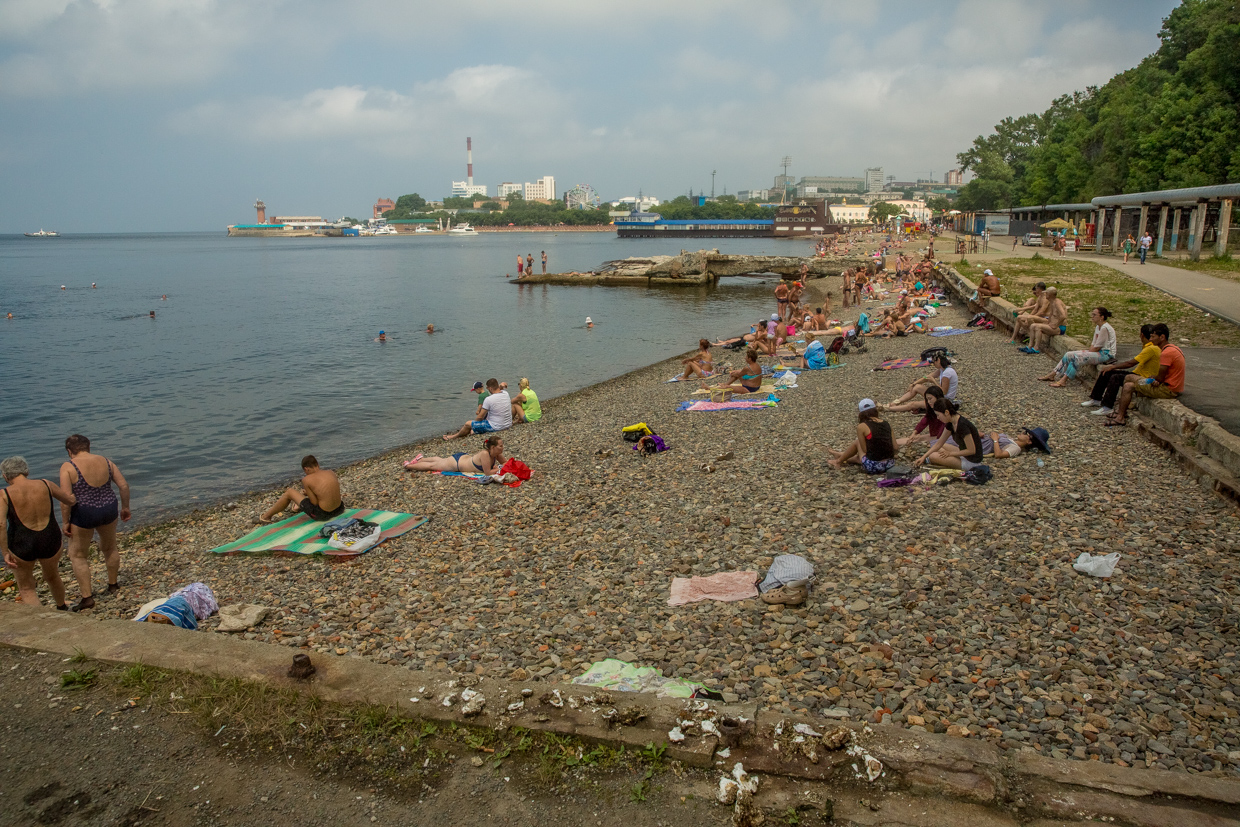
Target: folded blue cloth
(176, 609)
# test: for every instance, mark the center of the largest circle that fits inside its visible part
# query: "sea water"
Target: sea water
(265, 350)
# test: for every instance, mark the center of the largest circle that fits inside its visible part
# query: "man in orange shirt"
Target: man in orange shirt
(1168, 384)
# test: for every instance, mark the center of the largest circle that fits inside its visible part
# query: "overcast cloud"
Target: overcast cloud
(150, 115)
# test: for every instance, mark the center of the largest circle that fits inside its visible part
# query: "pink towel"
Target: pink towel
(727, 586)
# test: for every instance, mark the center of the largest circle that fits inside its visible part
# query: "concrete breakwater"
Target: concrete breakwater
(703, 267)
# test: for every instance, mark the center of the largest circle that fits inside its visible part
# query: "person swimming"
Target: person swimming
(152, 314)
(589, 323)
(430, 328)
(382, 337)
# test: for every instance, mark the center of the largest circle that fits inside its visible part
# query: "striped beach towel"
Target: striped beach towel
(910, 362)
(300, 535)
(955, 331)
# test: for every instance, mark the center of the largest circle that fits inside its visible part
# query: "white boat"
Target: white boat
(424, 230)
(386, 230)
(43, 234)
(462, 229)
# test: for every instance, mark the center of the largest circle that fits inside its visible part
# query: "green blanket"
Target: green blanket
(300, 535)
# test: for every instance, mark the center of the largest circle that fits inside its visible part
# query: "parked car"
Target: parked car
(1031, 240)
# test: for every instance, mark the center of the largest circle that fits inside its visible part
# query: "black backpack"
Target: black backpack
(929, 353)
(978, 475)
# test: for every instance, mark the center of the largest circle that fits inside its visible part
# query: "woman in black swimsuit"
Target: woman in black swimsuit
(27, 504)
(486, 461)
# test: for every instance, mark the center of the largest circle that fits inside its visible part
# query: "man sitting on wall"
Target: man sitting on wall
(1168, 384)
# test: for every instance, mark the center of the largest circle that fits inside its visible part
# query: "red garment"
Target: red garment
(517, 468)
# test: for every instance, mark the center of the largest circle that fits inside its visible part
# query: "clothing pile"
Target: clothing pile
(183, 608)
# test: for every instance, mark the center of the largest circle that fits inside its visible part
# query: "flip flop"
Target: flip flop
(1115, 423)
(261, 520)
(409, 462)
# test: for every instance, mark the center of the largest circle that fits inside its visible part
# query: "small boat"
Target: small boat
(385, 230)
(43, 234)
(424, 230)
(462, 229)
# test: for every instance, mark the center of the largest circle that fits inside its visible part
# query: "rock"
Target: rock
(239, 617)
(858, 606)
(520, 674)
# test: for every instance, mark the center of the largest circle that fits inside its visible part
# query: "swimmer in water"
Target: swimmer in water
(430, 328)
(92, 286)
(152, 314)
(62, 287)
(10, 315)
(164, 297)
(589, 323)
(382, 337)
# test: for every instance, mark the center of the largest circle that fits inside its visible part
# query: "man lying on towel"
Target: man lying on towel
(320, 499)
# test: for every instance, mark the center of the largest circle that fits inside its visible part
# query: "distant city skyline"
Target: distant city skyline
(157, 115)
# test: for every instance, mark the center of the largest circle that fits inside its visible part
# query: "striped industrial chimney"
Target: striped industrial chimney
(469, 161)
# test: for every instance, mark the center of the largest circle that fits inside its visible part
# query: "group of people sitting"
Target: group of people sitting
(942, 436)
(497, 410)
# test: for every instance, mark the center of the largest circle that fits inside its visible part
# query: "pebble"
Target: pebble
(950, 609)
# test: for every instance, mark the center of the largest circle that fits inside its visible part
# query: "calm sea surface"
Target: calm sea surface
(264, 349)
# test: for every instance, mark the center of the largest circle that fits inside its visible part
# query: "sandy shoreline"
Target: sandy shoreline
(950, 607)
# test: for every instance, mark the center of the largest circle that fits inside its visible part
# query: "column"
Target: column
(1224, 226)
(1119, 219)
(1099, 216)
(1175, 230)
(1145, 214)
(1196, 231)
(1162, 229)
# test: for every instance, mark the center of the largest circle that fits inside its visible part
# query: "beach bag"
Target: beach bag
(358, 537)
(516, 467)
(978, 475)
(338, 524)
(633, 433)
(930, 352)
(652, 444)
(896, 472)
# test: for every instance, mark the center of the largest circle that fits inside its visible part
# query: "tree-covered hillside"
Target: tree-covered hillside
(1172, 121)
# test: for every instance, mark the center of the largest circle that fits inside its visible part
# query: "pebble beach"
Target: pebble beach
(951, 609)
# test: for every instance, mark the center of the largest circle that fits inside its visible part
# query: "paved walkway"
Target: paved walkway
(1214, 295)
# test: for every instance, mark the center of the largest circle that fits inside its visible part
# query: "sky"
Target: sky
(175, 115)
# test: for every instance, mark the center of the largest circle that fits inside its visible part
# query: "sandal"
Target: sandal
(113, 588)
(1115, 423)
(261, 520)
(413, 461)
(84, 603)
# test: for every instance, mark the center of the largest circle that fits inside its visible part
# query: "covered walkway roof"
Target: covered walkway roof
(1188, 195)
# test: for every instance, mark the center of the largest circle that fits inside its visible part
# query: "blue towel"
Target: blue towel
(955, 331)
(176, 609)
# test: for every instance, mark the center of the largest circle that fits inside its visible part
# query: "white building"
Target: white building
(874, 179)
(541, 190)
(640, 204)
(753, 195)
(849, 213)
(464, 189)
(916, 210)
(507, 188)
(807, 191)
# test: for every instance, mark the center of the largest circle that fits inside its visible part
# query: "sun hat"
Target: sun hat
(589, 320)
(866, 404)
(1039, 437)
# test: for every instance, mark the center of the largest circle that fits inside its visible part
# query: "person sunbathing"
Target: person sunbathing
(486, 461)
(1040, 333)
(944, 376)
(874, 449)
(700, 364)
(318, 498)
(1002, 446)
(747, 338)
(1030, 312)
(965, 452)
(746, 380)
(928, 428)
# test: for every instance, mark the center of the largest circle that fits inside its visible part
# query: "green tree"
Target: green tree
(882, 211)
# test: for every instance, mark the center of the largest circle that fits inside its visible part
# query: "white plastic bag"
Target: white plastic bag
(787, 379)
(1101, 566)
(356, 544)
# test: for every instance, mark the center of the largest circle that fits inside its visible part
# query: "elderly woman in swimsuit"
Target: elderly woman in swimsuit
(91, 478)
(746, 380)
(486, 461)
(23, 541)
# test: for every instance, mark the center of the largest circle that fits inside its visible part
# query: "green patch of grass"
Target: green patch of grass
(1084, 285)
(1225, 266)
(78, 678)
(79, 656)
(638, 791)
(141, 677)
